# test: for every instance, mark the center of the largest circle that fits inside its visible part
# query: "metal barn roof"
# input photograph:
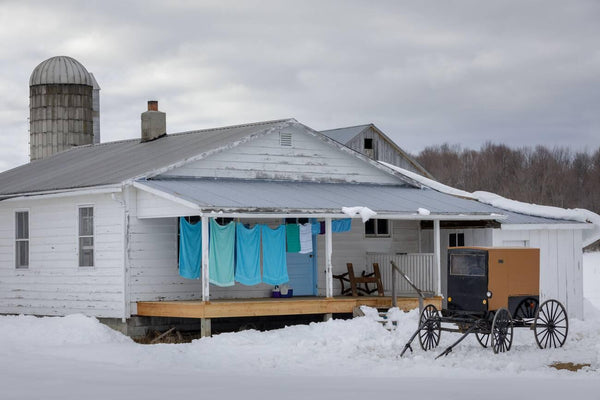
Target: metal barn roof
(344, 135)
(115, 162)
(236, 195)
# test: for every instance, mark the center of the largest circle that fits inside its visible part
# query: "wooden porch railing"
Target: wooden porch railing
(418, 266)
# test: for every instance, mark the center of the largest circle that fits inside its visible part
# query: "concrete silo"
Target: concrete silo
(63, 106)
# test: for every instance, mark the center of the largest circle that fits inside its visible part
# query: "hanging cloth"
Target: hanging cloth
(306, 239)
(341, 225)
(247, 255)
(221, 255)
(316, 228)
(292, 237)
(190, 249)
(274, 258)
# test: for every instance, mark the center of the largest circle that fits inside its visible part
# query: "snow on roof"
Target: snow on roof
(576, 214)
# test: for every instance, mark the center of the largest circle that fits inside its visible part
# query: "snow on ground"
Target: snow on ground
(76, 357)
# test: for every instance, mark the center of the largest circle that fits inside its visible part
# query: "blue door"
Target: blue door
(302, 272)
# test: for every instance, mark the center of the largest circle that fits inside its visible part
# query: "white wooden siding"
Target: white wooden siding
(308, 159)
(561, 275)
(54, 284)
(152, 206)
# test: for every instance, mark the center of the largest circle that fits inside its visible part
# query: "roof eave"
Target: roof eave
(113, 188)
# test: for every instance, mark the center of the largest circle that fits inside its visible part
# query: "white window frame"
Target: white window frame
(379, 235)
(80, 236)
(456, 237)
(20, 240)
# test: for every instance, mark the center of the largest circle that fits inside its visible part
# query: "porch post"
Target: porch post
(205, 255)
(437, 255)
(328, 265)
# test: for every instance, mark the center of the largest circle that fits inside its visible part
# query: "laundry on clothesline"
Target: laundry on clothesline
(247, 255)
(190, 249)
(221, 255)
(274, 255)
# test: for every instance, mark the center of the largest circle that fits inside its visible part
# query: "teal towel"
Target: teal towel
(292, 236)
(247, 255)
(274, 258)
(190, 249)
(221, 255)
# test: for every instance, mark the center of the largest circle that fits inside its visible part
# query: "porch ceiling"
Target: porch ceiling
(235, 197)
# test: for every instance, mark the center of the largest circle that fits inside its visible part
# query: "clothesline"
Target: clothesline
(234, 250)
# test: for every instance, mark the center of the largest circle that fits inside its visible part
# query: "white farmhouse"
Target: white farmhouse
(94, 229)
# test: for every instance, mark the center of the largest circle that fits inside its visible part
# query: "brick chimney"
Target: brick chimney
(154, 122)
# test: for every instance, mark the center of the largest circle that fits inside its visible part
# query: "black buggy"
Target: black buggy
(490, 292)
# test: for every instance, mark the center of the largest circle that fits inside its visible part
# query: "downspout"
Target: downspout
(124, 202)
(126, 258)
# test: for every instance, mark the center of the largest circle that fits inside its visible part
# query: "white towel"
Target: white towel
(306, 239)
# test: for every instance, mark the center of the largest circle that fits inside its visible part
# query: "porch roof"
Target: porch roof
(235, 196)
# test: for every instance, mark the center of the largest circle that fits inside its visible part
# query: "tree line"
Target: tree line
(557, 176)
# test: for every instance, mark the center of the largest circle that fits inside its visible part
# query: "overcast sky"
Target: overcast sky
(517, 72)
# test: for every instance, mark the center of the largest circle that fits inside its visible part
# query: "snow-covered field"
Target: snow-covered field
(76, 357)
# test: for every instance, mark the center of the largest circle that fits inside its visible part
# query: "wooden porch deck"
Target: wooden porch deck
(271, 306)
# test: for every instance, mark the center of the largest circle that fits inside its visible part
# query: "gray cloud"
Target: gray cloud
(516, 72)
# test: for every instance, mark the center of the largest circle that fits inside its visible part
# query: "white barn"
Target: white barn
(94, 229)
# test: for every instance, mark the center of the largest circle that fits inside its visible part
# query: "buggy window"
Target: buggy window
(467, 264)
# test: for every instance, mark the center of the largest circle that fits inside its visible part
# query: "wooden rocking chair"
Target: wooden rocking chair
(359, 285)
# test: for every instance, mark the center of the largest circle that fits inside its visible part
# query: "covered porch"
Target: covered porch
(246, 201)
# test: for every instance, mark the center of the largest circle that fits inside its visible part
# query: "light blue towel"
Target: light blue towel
(190, 249)
(341, 225)
(247, 255)
(221, 255)
(274, 259)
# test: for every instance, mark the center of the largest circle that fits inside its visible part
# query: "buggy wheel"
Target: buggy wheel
(430, 328)
(483, 339)
(551, 325)
(526, 309)
(502, 331)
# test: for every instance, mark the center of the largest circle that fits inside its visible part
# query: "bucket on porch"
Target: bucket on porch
(283, 291)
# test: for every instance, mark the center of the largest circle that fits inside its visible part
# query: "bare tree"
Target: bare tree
(537, 175)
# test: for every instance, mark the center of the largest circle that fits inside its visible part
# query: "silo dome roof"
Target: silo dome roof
(60, 70)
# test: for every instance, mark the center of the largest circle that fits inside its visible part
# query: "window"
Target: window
(456, 240)
(368, 144)
(86, 236)
(22, 239)
(467, 264)
(377, 228)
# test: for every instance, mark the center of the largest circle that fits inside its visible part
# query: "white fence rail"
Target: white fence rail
(419, 267)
